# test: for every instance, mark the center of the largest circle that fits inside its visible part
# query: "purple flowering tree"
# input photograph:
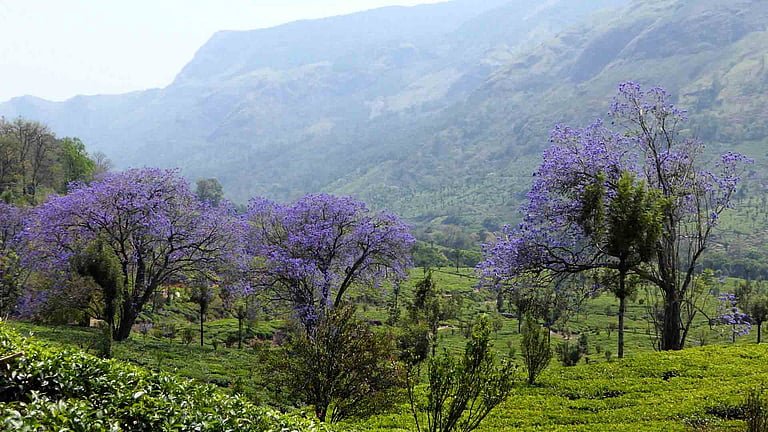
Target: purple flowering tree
(729, 314)
(556, 237)
(11, 271)
(145, 221)
(310, 253)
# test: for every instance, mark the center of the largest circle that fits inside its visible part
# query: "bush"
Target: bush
(756, 411)
(535, 348)
(460, 394)
(188, 335)
(584, 344)
(568, 354)
(46, 389)
(343, 368)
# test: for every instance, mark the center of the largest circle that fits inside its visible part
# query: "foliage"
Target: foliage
(312, 251)
(756, 411)
(48, 389)
(209, 191)
(33, 162)
(535, 349)
(76, 164)
(564, 207)
(12, 273)
(757, 309)
(460, 394)
(342, 368)
(147, 220)
(569, 353)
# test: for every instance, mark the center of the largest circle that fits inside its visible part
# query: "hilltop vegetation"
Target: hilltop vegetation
(35, 163)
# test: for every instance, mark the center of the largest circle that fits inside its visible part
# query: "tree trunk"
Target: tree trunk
(670, 331)
(759, 331)
(622, 311)
(127, 318)
(239, 332)
(457, 260)
(321, 411)
(110, 295)
(202, 321)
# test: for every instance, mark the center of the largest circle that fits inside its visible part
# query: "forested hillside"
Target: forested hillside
(437, 112)
(313, 105)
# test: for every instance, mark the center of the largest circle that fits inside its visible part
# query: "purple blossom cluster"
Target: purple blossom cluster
(729, 314)
(310, 252)
(150, 222)
(643, 140)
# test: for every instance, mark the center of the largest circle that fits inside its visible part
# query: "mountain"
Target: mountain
(294, 108)
(439, 111)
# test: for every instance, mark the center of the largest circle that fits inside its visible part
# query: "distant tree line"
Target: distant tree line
(34, 162)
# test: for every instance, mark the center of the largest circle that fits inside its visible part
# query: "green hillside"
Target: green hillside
(437, 112)
(693, 390)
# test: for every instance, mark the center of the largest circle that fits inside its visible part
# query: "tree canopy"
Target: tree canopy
(311, 252)
(147, 220)
(556, 237)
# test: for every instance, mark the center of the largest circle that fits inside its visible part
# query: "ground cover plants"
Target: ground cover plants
(313, 307)
(50, 389)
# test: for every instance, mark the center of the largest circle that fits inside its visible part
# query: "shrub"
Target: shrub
(46, 389)
(584, 344)
(460, 394)
(342, 368)
(568, 354)
(187, 335)
(756, 411)
(535, 347)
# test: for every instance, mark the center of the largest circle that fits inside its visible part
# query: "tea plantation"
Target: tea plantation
(44, 389)
(692, 390)
(50, 388)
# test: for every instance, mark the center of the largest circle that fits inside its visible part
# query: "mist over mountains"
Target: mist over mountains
(437, 112)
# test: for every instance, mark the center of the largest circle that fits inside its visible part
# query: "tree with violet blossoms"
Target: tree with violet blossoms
(148, 221)
(310, 253)
(645, 140)
(729, 314)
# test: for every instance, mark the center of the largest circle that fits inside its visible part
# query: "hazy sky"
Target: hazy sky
(56, 49)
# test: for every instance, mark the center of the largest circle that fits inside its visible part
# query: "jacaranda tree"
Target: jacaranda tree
(646, 140)
(147, 222)
(310, 253)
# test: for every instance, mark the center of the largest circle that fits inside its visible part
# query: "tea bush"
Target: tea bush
(50, 389)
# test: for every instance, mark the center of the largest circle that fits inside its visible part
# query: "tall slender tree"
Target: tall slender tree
(624, 228)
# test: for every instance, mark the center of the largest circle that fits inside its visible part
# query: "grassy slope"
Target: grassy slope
(703, 385)
(568, 396)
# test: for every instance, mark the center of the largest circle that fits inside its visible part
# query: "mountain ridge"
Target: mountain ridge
(441, 123)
